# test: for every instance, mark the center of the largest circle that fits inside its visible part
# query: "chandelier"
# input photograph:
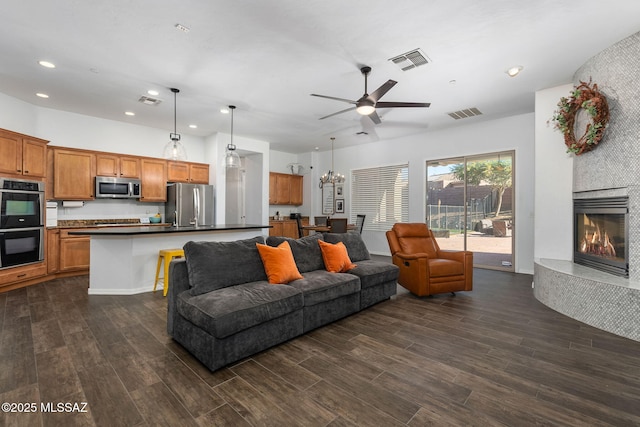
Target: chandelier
(174, 150)
(231, 159)
(331, 177)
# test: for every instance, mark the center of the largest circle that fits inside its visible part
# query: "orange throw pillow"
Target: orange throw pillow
(335, 256)
(279, 263)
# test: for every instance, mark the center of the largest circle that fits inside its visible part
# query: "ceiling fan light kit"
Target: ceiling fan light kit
(368, 103)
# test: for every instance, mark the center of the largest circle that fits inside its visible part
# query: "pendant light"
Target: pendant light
(331, 177)
(231, 159)
(174, 150)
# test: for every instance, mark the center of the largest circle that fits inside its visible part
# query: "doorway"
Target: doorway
(470, 205)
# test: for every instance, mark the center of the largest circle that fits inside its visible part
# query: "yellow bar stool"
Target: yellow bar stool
(166, 255)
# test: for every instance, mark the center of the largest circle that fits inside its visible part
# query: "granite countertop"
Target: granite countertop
(153, 229)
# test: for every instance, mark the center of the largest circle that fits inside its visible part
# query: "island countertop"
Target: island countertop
(111, 230)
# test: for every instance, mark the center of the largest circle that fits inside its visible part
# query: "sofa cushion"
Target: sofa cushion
(335, 256)
(278, 263)
(373, 273)
(229, 310)
(353, 241)
(319, 286)
(215, 265)
(305, 251)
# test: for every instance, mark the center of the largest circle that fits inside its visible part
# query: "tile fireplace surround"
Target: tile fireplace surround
(597, 298)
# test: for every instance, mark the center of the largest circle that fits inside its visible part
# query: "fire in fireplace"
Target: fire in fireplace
(601, 234)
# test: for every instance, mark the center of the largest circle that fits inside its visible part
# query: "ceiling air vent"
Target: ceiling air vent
(410, 60)
(463, 114)
(147, 100)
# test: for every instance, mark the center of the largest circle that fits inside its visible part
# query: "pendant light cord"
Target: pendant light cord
(175, 137)
(231, 146)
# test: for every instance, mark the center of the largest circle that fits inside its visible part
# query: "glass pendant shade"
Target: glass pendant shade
(231, 158)
(174, 150)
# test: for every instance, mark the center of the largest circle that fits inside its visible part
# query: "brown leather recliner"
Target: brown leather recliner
(425, 269)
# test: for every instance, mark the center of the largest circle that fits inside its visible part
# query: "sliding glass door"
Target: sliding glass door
(470, 205)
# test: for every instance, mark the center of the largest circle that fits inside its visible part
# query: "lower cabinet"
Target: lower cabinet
(287, 227)
(19, 276)
(73, 252)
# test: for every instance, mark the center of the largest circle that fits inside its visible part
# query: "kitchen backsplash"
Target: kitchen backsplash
(110, 209)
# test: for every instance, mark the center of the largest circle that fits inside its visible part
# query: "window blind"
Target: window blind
(382, 194)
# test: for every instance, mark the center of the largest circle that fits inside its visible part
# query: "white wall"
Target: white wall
(512, 133)
(78, 131)
(553, 173)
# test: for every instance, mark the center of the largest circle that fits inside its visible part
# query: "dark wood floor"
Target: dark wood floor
(494, 356)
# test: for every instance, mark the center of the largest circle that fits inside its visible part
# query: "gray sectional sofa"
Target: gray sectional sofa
(221, 307)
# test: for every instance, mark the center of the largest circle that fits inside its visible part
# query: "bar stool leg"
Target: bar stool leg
(167, 261)
(155, 284)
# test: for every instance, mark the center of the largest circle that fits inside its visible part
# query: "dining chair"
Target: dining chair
(320, 220)
(360, 222)
(338, 225)
(299, 224)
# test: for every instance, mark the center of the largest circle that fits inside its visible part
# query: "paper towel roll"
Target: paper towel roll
(72, 204)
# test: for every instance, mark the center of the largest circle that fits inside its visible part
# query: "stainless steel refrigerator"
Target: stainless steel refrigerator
(190, 205)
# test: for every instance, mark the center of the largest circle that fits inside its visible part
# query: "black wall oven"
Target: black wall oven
(21, 203)
(20, 246)
(21, 222)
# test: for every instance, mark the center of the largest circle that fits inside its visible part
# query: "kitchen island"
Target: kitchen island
(123, 259)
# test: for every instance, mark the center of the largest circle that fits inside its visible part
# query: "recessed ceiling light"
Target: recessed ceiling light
(47, 64)
(153, 92)
(42, 95)
(129, 113)
(193, 126)
(514, 71)
(224, 110)
(452, 82)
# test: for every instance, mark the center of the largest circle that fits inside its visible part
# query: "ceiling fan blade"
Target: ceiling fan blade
(339, 112)
(334, 98)
(375, 118)
(401, 104)
(379, 93)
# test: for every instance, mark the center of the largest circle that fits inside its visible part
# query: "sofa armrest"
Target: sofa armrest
(178, 283)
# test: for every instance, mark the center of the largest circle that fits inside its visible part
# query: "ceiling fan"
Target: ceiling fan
(367, 104)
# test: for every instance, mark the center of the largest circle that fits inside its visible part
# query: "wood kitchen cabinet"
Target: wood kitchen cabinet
(22, 155)
(195, 173)
(73, 174)
(286, 227)
(74, 252)
(117, 166)
(153, 176)
(285, 189)
(16, 277)
(53, 251)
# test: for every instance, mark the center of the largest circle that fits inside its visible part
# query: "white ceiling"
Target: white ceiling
(267, 57)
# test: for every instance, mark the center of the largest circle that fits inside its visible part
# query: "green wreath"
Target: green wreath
(588, 98)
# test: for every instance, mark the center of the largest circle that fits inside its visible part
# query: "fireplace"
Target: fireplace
(601, 234)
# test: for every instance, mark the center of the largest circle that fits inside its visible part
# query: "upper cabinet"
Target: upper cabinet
(22, 155)
(153, 176)
(285, 189)
(196, 173)
(73, 174)
(117, 166)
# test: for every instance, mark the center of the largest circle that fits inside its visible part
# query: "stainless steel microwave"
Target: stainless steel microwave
(117, 188)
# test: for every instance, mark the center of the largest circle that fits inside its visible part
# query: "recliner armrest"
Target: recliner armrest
(454, 255)
(410, 257)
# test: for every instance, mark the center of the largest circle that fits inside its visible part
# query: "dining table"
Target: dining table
(325, 228)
